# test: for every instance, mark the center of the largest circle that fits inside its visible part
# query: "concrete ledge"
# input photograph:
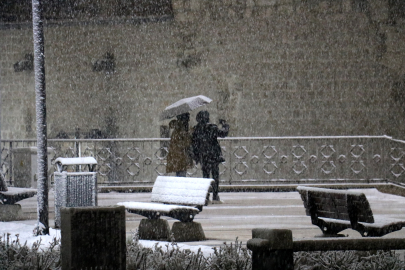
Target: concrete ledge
(271, 249)
(188, 231)
(10, 212)
(392, 188)
(154, 229)
(280, 238)
(366, 244)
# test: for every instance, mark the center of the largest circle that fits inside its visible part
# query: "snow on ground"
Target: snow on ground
(206, 250)
(25, 235)
(240, 213)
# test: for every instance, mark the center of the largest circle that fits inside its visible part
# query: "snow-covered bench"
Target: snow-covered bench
(9, 210)
(336, 210)
(180, 198)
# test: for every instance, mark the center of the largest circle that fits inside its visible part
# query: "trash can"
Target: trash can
(74, 189)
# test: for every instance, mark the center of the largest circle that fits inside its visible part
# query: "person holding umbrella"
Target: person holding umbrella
(179, 157)
(206, 148)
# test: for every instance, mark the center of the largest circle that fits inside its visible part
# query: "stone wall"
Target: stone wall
(272, 67)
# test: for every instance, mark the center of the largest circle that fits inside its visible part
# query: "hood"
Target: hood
(203, 117)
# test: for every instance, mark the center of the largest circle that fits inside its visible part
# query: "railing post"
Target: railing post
(10, 164)
(271, 249)
(386, 159)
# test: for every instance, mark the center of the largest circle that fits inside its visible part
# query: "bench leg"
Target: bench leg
(188, 231)
(10, 212)
(154, 229)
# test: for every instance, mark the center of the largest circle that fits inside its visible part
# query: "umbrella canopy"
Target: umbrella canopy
(184, 105)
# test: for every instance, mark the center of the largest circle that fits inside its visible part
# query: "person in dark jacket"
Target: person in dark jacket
(206, 149)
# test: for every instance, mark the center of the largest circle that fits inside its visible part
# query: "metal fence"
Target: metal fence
(249, 160)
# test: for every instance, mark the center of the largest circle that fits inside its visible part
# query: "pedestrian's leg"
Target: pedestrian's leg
(206, 170)
(181, 174)
(205, 167)
(215, 176)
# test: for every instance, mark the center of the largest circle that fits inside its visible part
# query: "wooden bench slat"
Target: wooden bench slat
(327, 207)
(3, 184)
(332, 203)
(327, 214)
(334, 215)
(333, 196)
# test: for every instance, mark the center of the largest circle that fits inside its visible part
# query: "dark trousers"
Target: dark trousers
(213, 169)
(181, 174)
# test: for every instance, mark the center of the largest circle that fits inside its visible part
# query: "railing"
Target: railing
(248, 160)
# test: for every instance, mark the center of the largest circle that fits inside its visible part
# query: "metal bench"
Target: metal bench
(9, 210)
(336, 210)
(180, 198)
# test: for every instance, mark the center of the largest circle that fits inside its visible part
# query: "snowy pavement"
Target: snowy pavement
(235, 218)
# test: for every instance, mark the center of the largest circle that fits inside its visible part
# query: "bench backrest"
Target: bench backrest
(3, 184)
(181, 190)
(336, 204)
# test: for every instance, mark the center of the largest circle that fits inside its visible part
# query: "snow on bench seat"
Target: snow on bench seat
(156, 210)
(11, 195)
(164, 208)
(381, 221)
(177, 197)
(333, 220)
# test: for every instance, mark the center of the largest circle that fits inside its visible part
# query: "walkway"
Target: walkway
(243, 211)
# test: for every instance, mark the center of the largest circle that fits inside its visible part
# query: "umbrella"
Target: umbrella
(184, 105)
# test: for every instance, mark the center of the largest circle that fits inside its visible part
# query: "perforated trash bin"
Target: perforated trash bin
(74, 189)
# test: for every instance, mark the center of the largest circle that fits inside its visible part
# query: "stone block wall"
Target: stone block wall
(272, 67)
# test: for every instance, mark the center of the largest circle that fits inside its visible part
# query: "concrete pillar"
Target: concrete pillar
(154, 229)
(93, 238)
(271, 249)
(187, 231)
(10, 212)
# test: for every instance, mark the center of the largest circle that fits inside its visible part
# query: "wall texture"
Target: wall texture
(272, 67)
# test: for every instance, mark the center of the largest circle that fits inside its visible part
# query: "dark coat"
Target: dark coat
(206, 148)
